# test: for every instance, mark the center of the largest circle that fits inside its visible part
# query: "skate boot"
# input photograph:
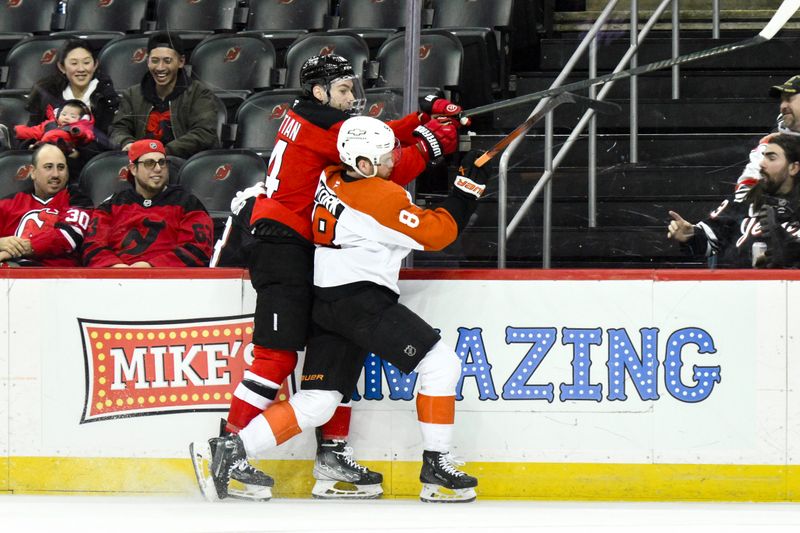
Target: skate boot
(339, 476)
(442, 482)
(225, 460)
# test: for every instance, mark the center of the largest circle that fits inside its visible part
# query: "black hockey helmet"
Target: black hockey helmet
(322, 70)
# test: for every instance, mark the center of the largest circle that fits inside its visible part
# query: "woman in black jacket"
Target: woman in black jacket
(78, 78)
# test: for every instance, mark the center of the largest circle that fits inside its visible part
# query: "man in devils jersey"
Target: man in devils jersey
(281, 261)
(153, 224)
(45, 227)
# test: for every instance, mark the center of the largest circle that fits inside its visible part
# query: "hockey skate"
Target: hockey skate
(224, 460)
(442, 482)
(339, 476)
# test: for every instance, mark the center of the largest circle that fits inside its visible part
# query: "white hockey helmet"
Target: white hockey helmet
(369, 138)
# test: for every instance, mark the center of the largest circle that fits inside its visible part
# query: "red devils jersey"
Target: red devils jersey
(171, 230)
(55, 226)
(305, 145)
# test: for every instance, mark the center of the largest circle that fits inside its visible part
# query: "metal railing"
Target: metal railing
(551, 164)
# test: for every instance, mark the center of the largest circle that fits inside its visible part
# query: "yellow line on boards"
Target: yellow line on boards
(528, 481)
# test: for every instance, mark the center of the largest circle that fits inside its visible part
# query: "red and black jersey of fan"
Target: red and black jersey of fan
(171, 230)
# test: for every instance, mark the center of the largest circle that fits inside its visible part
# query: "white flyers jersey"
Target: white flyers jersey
(364, 228)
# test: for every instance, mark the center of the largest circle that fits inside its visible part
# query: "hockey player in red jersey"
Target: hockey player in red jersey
(281, 261)
(364, 226)
(45, 227)
(152, 224)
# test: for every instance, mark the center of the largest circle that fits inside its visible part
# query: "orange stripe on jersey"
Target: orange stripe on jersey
(388, 203)
(436, 409)
(282, 421)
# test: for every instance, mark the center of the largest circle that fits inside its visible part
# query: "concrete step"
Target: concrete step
(723, 149)
(776, 54)
(665, 116)
(693, 84)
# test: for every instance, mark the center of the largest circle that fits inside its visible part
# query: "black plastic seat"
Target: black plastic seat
(234, 62)
(15, 171)
(31, 60)
(215, 176)
(92, 15)
(194, 21)
(12, 111)
(259, 117)
(27, 16)
(441, 57)
(124, 60)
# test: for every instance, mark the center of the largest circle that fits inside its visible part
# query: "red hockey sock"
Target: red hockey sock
(240, 414)
(338, 427)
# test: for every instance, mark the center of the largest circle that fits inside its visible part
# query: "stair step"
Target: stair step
(693, 84)
(720, 149)
(776, 54)
(665, 116)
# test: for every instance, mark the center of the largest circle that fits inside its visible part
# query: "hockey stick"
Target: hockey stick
(607, 108)
(778, 20)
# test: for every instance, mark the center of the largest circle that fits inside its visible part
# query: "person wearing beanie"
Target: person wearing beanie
(153, 223)
(167, 105)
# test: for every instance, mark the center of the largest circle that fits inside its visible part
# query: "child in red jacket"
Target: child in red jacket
(68, 127)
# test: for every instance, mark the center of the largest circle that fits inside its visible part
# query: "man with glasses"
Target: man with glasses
(152, 224)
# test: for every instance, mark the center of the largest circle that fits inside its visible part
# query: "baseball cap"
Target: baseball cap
(790, 86)
(144, 146)
(164, 39)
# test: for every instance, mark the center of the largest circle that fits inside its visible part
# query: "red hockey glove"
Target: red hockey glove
(471, 179)
(435, 106)
(439, 137)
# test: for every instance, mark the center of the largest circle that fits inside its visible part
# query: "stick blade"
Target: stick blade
(780, 18)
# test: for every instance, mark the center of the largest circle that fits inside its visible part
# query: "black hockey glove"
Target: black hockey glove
(439, 137)
(471, 179)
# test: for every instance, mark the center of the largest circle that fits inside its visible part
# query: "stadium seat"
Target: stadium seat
(215, 176)
(386, 103)
(441, 56)
(12, 111)
(27, 16)
(234, 62)
(96, 15)
(306, 15)
(484, 21)
(259, 117)
(124, 60)
(346, 44)
(370, 14)
(96, 39)
(194, 21)
(106, 174)
(31, 60)
(15, 170)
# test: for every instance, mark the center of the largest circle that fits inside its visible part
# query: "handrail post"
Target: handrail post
(411, 79)
(634, 85)
(592, 170)
(547, 212)
(676, 30)
(715, 19)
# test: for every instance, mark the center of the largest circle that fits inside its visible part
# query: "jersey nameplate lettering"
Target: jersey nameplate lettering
(289, 127)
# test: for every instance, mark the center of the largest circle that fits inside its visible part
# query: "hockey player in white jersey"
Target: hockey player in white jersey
(364, 225)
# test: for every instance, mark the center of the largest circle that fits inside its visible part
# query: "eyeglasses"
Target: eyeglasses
(150, 164)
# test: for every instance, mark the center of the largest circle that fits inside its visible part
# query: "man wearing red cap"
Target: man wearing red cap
(153, 224)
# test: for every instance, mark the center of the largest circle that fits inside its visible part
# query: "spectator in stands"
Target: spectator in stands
(78, 78)
(167, 105)
(788, 124)
(45, 227)
(153, 224)
(71, 127)
(759, 228)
